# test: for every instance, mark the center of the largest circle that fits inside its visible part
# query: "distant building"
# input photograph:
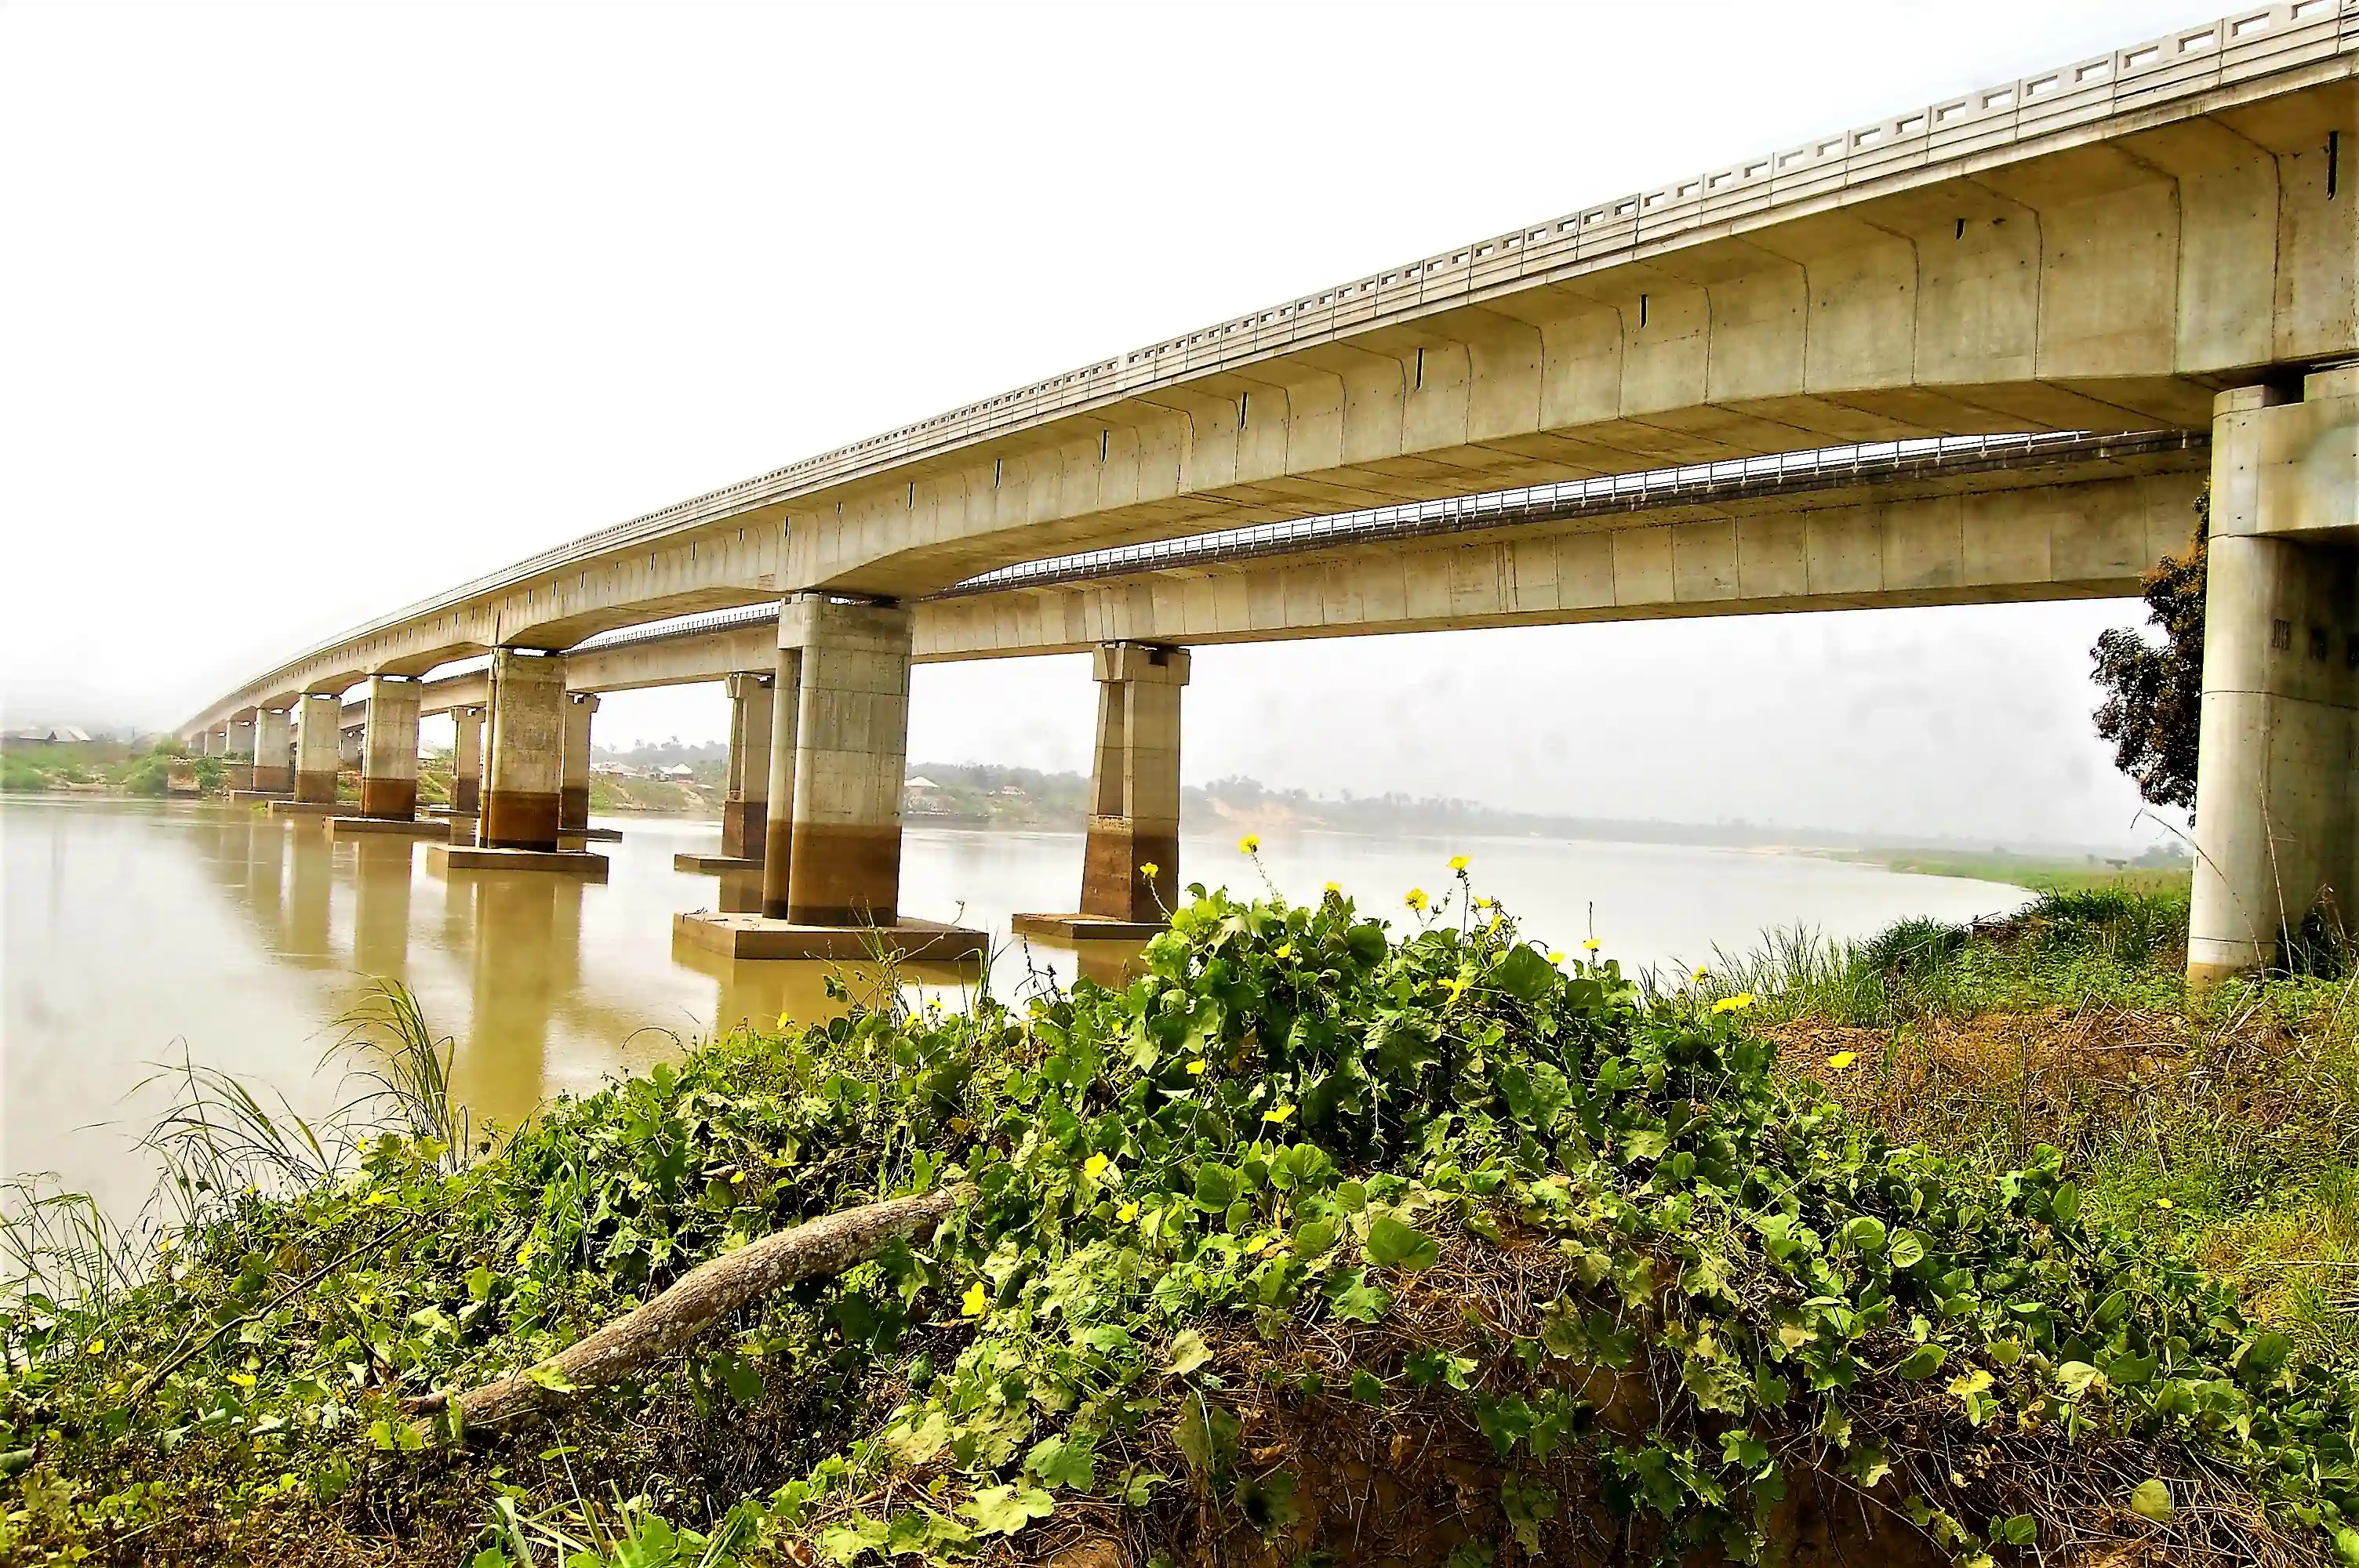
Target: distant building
(921, 785)
(46, 735)
(679, 772)
(1009, 789)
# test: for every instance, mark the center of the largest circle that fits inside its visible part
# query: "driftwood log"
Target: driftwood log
(817, 1249)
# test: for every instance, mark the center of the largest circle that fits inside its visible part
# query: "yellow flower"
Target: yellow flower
(1701, 976)
(1591, 945)
(376, 1199)
(96, 1347)
(1096, 1166)
(1196, 1068)
(1150, 870)
(1737, 1003)
(524, 1252)
(2163, 1203)
(1841, 1059)
(242, 1380)
(1250, 844)
(1284, 950)
(1332, 887)
(974, 1302)
(1126, 1213)
(1458, 862)
(1556, 954)
(1278, 1114)
(786, 1021)
(1417, 899)
(737, 1178)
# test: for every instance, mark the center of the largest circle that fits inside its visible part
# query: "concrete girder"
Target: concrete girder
(2087, 255)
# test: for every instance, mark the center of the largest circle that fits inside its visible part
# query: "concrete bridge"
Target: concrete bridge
(2163, 239)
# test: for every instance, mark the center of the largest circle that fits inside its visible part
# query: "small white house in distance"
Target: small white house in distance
(46, 735)
(680, 771)
(922, 784)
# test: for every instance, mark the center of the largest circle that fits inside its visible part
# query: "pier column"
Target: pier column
(851, 740)
(389, 750)
(317, 719)
(744, 814)
(241, 753)
(273, 772)
(573, 793)
(785, 729)
(1134, 783)
(2275, 797)
(520, 795)
(466, 761)
(351, 744)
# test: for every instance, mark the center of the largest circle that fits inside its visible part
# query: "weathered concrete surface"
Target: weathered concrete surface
(2275, 829)
(574, 788)
(306, 808)
(316, 742)
(467, 759)
(582, 863)
(520, 799)
(850, 739)
(256, 797)
(745, 936)
(2100, 247)
(744, 813)
(1065, 929)
(717, 865)
(385, 827)
(274, 741)
(389, 750)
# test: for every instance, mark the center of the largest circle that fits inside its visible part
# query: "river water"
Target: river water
(134, 934)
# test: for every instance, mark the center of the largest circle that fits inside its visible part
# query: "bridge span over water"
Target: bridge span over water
(2155, 252)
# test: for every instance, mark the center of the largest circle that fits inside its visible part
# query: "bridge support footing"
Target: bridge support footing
(717, 865)
(758, 936)
(387, 826)
(449, 858)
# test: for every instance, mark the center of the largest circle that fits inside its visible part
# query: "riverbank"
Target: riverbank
(1307, 1241)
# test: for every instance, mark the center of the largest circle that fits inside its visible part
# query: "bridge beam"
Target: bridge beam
(520, 798)
(2276, 809)
(389, 750)
(274, 769)
(745, 814)
(319, 717)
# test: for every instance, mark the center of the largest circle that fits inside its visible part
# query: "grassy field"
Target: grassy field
(2041, 874)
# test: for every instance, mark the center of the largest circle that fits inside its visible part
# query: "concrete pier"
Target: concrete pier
(274, 739)
(241, 754)
(1134, 799)
(573, 787)
(744, 813)
(2275, 795)
(389, 750)
(317, 717)
(466, 761)
(831, 870)
(521, 797)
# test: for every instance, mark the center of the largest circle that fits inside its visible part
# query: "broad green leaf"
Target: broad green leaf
(1906, 1250)
(1393, 1243)
(1207, 1434)
(1189, 1352)
(1865, 1234)
(1063, 1462)
(1923, 1361)
(1003, 1510)
(1525, 974)
(2151, 1499)
(1353, 1299)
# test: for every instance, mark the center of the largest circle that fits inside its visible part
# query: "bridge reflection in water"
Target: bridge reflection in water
(498, 960)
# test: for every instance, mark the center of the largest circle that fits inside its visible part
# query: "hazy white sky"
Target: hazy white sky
(309, 310)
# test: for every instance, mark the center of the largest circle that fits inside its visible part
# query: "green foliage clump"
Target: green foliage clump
(1298, 1185)
(2154, 692)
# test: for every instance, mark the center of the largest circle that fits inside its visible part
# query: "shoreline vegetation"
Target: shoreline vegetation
(1331, 1236)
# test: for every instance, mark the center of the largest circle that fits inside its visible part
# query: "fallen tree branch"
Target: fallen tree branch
(817, 1249)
